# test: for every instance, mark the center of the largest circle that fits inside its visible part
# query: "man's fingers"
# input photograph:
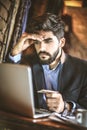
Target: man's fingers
(31, 36)
(52, 95)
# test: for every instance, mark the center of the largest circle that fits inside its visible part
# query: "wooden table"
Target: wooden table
(10, 121)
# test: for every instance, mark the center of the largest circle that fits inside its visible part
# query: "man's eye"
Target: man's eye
(48, 41)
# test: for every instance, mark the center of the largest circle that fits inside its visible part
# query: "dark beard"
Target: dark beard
(51, 59)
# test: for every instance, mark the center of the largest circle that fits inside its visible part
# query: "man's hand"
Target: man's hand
(23, 43)
(54, 100)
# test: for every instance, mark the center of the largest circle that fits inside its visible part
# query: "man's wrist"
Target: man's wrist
(69, 108)
(13, 53)
(69, 105)
(73, 107)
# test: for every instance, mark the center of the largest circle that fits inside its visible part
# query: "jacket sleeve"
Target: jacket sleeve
(82, 100)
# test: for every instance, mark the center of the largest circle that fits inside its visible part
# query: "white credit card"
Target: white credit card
(45, 91)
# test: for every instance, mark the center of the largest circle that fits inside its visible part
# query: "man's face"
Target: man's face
(47, 47)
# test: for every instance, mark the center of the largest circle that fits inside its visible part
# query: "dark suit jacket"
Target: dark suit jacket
(72, 81)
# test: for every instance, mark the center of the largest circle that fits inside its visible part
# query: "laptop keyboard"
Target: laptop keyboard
(39, 111)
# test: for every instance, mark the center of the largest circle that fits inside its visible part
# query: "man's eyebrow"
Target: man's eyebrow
(47, 39)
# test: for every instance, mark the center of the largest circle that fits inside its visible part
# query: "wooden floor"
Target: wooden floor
(78, 37)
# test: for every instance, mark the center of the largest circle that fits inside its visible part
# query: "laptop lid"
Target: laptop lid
(16, 90)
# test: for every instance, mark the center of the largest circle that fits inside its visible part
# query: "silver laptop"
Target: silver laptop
(16, 90)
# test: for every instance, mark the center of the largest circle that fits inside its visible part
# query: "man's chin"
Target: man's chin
(45, 62)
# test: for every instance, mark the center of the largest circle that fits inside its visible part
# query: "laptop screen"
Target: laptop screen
(16, 89)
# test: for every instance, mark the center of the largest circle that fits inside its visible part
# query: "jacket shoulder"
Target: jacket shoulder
(76, 62)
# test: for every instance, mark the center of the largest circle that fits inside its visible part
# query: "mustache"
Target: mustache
(44, 52)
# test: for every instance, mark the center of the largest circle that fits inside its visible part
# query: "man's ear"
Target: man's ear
(62, 42)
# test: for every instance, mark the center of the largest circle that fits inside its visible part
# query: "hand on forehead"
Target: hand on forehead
(39, 37)
(42, 35)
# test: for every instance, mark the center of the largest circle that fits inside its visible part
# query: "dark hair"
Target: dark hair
(47, 22)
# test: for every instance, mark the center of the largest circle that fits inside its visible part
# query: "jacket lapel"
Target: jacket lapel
(38, 77)
(39, 83)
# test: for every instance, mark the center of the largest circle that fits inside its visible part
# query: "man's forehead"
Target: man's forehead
(45, 34)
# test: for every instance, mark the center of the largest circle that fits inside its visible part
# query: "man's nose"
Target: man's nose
(42, 46)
